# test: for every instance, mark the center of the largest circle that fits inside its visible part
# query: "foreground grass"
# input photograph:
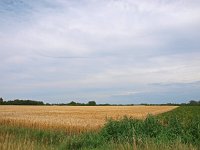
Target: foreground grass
(177, 129)
(12, 138)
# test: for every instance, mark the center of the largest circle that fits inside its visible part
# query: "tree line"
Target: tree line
(72, 103)
(20, 102)
(34, 102)
(90, 103)
(190, 103)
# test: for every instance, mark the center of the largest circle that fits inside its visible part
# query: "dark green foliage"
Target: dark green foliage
(72, 103)
(91, 103)
(193, 102)
(121, 130)
(151, 127)
(129, 128)
(1, 101)
(22, 102)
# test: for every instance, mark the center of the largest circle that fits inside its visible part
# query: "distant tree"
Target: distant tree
(91, 103)
(1, 100)
(193, 102)
(23, 102)
(72, 103)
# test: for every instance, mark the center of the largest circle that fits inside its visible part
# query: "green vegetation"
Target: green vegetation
(165, 131)
(177, 129)
(20, 102)
(72, 103)
(90, 103)
(184, 114)
(190, 103)
(33, 102)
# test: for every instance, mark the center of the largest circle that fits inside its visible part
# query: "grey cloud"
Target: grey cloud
(98, 49)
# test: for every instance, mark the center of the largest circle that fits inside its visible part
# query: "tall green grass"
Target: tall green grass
(166, 130)
(177, 129)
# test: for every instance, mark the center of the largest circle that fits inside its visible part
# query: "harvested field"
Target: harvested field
(72, 118)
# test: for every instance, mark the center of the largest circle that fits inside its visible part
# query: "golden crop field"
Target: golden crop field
(72, 118)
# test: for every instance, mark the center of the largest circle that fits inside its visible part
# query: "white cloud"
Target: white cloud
(98, 44)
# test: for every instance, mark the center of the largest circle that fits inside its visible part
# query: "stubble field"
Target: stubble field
(72, 118)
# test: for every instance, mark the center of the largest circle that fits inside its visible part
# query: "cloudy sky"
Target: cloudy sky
(111, 51)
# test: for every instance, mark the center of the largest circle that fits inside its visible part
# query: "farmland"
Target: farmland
(72, 118)
(175, 129)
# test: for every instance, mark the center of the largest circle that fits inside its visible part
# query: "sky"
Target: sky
(110, 51)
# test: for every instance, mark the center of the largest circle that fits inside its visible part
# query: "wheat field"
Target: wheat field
(72, 118)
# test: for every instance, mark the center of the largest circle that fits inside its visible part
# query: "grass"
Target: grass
(177, 129)
(185, 114)
(151, 132)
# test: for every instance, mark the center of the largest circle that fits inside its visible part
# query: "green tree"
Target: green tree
(1, 100)
(92, 103)
(72, 103)
(193, 102)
